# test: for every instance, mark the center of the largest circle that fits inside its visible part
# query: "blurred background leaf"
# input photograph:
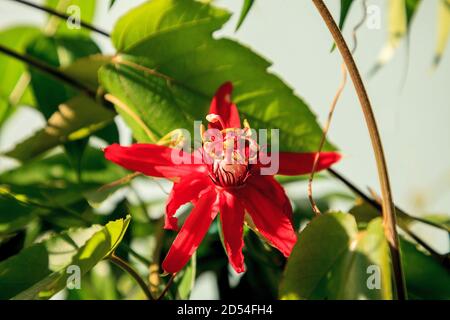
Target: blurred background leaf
(331, 259)
(83, 248)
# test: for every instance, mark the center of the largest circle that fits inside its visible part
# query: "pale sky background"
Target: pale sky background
(413, 116)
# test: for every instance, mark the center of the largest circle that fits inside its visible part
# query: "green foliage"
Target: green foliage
(76, 119)
(167, 67)
(41, 270)
(331, 261)
(186, 279)
(86, 9)
(57, 52)
(13, 215)
(185, 75)
(13, 72)
(426, 278)
(345, 8)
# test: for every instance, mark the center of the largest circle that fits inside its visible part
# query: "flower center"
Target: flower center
(228, 174)
(230, 153)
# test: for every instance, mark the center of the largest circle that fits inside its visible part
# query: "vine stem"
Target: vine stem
(331, 111)
(61, 16)
(41, 66)
(130, 270)
(388, 208)
(168, 285)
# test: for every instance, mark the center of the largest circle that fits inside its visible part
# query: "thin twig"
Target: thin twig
(331, 112)
(387, 204)
(62, 16)
(49, 70)
(168, 285)
(130, 270)
(324, 138)
(133, 253)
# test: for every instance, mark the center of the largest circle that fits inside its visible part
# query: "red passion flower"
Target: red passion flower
(220, 179)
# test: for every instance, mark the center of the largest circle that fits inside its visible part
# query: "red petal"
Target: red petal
(192, 232)
(269, 219)
(188, 189)
(152, 160)
(292, 163)
(222, 106)
(232, 218)
(269, 186)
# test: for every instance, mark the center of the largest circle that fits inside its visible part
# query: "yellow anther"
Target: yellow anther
(246, 124)
(202, 131)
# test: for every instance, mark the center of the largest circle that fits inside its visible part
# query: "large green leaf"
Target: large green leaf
(14, 84)
(425, 277)
(76, 119)
(332, 260)
(40, 271)
(185, 74)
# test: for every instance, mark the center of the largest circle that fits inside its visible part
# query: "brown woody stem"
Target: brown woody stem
(387, 202)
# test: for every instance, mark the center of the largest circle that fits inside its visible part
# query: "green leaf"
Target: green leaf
(85, 69)
(331, 260)
(13, 215)
(5, 109)
(442, 220)
(443, 29)
(56, 171)
(345, 8)
(76, 119)
(57, 52)
(244, 12)
(185, 74)
(111, 3)
(40, 271)
(85, 9)
(186, 279)
(14, 75)
(51, 188)
(425, 277)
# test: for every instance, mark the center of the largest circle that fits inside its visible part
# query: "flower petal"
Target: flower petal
(222, 106)
(152, 160)
(192, 232)
(188, 189)
(269, 186)
(232, 219)
(293, 163)
(269, 219)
